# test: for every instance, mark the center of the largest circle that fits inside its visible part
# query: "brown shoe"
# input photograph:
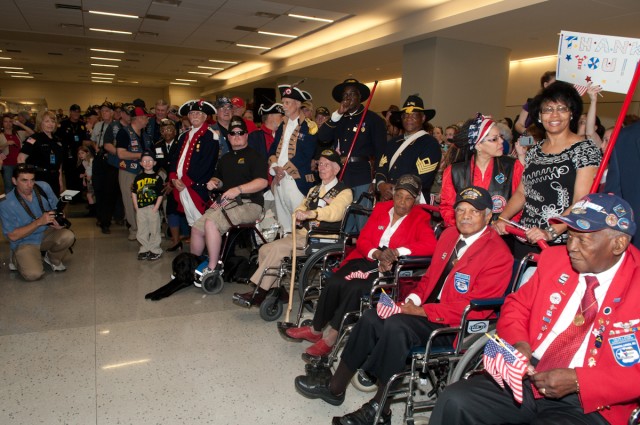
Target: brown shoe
(250, 298)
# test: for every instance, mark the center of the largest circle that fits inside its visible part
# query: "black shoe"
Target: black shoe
(363, 416)
(105, 230)
(153, 257)
(143, 255)
(315, 387)
(175, 247)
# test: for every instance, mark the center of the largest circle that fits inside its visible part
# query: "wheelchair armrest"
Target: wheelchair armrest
(487, 304)
(414, 260)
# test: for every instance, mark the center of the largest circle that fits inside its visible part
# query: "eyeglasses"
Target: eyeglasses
(562, 109)
(237, 133)
(494, 139)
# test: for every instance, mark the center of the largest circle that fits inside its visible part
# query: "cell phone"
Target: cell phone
(526, 140)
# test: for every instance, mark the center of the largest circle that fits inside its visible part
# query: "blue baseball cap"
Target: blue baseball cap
(598, 211)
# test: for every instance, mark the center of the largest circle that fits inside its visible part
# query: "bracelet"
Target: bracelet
(552, 232)
(577, 386)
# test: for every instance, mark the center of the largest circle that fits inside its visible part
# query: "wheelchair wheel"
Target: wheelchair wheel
(471, 361)
(362, 382)
(212, 283)
(311, 273)
(271, 308)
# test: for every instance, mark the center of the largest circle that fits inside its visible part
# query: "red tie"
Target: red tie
(565, 346)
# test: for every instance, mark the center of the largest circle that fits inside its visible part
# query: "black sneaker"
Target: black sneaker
(153, 257)
(143, 256)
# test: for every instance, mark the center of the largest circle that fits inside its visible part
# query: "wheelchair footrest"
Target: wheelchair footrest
(282, 330)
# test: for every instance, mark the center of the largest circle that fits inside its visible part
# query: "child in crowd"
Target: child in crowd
(85, 158)
(147, 201)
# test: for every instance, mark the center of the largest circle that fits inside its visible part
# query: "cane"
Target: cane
(355, 136)
(293, 266)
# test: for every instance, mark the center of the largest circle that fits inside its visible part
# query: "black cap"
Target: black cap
(139, 103)
(323, 110)
(332, 156)
(75, 107)
(479, 197)
(237, 122)
(148, 152)
(410, 183)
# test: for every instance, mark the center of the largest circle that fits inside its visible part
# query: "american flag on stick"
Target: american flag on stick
(581, 89)
(505, 364)
(358, 274)
(386, 307)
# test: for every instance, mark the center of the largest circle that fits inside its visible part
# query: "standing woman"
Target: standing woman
(481, 163)
(11, 140)
(558, 171)
(44, 151)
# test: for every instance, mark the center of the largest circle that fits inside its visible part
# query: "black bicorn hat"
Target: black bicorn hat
(197, 105)
(293, 92)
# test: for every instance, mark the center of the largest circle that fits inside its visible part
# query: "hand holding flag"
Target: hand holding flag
(358, 274)
(386, 307)
(505, 364)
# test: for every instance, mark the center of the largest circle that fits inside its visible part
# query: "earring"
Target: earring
(539, 120)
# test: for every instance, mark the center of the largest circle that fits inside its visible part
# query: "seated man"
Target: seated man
(323, 209)
(243, 172)
(576, 320)
(460, 271)
(28, 221)
(395, 228)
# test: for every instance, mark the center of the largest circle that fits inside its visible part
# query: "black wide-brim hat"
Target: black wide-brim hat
(413, 103)
(336, 93)
(196, 105)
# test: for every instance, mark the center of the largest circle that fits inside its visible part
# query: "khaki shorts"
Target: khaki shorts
(246, 213)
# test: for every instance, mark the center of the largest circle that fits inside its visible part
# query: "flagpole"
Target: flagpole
(616, 130)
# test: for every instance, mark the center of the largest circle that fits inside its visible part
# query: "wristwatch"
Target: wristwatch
(552, 231)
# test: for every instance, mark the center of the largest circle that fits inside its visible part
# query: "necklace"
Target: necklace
(578, 320)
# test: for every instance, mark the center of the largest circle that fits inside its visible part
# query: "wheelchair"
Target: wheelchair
(323, 251)
(212, 281)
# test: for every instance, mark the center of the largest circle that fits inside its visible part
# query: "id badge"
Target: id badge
(52, 159)
(76, 138)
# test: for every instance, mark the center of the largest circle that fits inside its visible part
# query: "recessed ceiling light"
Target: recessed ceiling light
(111, 31)
(309, 18)
(188, 81)
(210, 67)
(106, 59)
(100, 73)
(105, 65)
(277, 34)
(101, 81)
(219, 61)
(22, 76)
(251, 46)
(16, 72)
(11, 67)
(118, 15)
(199, 73)
(101, 78)
(4, 58)
(107, 51)
(180, 84)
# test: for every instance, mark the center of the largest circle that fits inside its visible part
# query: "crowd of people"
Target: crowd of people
(206, 166)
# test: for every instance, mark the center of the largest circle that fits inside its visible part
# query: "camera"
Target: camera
(59, 217)
(526, 140)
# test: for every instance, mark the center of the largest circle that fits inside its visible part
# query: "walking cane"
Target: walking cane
(293, 266)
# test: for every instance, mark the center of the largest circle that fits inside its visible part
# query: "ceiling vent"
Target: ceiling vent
(68, 6)
(248, 29)
(157, 17)
(267, 15)
(13, 51)
(175, 3)
(71, 26)
(54, 54)
(149, 33)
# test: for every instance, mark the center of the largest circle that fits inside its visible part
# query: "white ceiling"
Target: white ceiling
(169, 41)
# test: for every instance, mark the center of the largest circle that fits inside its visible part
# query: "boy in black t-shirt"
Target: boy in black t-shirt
(146, 192)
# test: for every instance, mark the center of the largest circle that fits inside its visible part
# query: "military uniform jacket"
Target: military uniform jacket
(421, 158)
(302, 148)
(370, 143)
(610, 373)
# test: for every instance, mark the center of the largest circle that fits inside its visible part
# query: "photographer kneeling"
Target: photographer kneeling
(28, 215)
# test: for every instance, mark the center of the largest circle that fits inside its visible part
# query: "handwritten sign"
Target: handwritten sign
(604, 60)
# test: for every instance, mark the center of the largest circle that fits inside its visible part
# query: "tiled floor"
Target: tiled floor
(85, 347)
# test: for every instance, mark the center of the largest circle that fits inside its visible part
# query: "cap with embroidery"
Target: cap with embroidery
(477, 196)
(410, 183)
(598, 211)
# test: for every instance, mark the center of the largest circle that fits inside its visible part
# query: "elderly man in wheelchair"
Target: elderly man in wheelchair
(577, 322)
(470, 261)
(242, 173)
(322, 211)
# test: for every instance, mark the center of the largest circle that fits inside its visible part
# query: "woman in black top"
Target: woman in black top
(44, 151)
(558, 171)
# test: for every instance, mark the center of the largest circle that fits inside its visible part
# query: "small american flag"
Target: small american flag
(217, 205)
(386, 307)
(505, 364)
(359, 274)
(580, 89)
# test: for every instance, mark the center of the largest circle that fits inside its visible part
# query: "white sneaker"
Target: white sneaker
(59, 268)
(12, 266)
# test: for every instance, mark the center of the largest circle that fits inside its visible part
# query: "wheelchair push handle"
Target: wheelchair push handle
(521, 233)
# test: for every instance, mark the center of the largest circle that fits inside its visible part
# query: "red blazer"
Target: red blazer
(606, 384)
(483, 271)
(414, 232)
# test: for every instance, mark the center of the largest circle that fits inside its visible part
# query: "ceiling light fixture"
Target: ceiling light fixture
(277, 34)
(105, 65)
(535, 59)
(102, 78)
(4, 58)
(22, 76)
(101, 73)
(101, 81)
(179, 84)
(16, 72)
(11, 67)
(111, 31)
(210, 67)
(199, 73)
(188, 81)
(251, 46)
(106, 59)
(219, 61)
(107, 51)
(310, 18)
(118, 15)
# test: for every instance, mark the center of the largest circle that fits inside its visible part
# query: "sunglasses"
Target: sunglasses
(237, 133)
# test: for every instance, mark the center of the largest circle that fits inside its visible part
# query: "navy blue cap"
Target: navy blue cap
(477, 196)
(598, 211)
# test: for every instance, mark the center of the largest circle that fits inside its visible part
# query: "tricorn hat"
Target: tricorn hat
(275, 108)
(293, 92)
(197, 105)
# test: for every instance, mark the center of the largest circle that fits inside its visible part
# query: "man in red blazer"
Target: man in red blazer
(470, 261)
(395, 228)
(577, 320)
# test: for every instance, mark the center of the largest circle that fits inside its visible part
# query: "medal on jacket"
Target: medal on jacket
(578, 320)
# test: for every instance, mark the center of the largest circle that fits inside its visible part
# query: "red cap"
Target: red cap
(237, 102)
